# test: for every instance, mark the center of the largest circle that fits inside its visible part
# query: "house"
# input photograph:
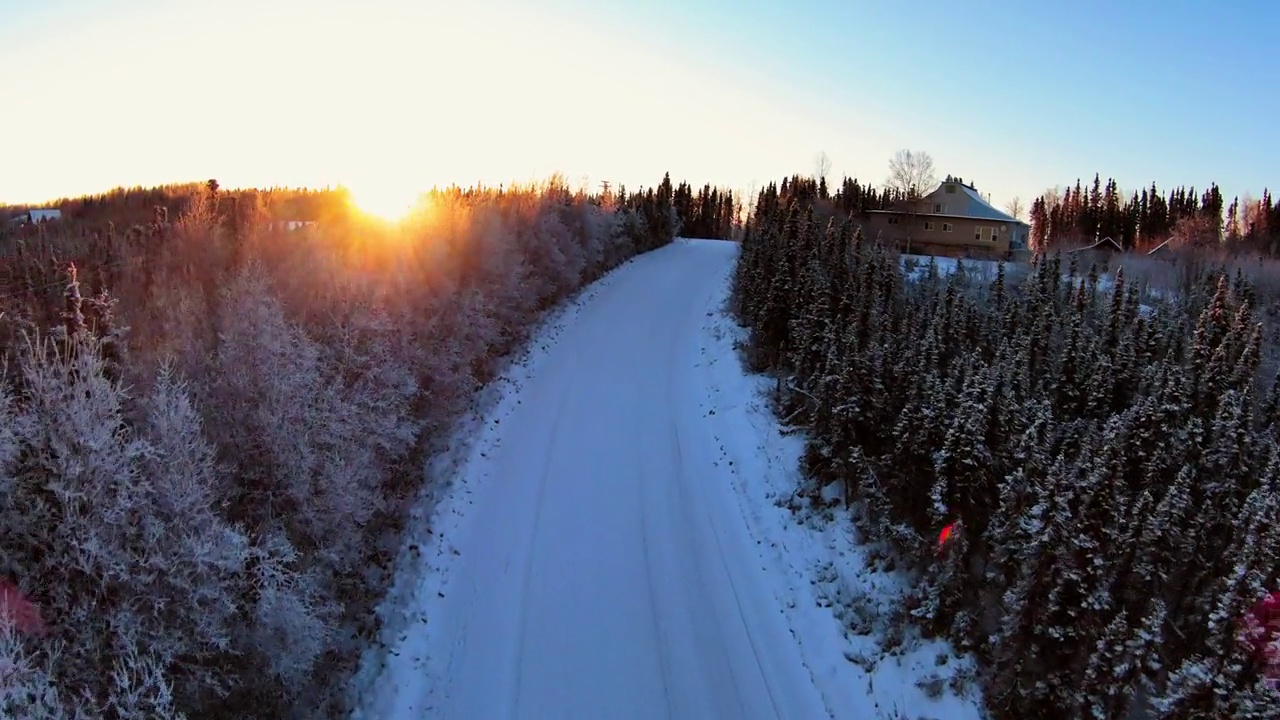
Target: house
(290, 225)
(953, 220)
(36, 216)
(1105, 244)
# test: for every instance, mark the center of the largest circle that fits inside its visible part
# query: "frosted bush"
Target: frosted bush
(291, 619)
(116, 530)
(204, 535)
(297, 447)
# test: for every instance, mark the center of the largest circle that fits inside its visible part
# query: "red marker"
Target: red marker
(18, 611)
(945, 535)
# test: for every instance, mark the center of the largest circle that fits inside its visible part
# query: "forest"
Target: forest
(1106, 462)
(211, 429)
(1142, 220)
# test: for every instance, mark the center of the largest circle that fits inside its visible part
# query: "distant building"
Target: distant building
(1106, 245)
(291, 225)
(36, 216)
(954, 221)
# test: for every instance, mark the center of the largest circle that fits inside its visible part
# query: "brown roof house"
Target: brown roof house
(953, 221)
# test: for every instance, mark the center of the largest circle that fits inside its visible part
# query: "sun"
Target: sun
(390, 204)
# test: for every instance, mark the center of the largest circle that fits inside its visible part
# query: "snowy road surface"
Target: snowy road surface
(603, 569)
(613, 543)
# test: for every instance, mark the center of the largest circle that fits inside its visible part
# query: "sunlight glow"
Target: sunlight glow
(377, 106)
(388, 203)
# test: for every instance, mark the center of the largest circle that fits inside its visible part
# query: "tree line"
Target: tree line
(710, 213)
(1144, 219)
(1109, 463)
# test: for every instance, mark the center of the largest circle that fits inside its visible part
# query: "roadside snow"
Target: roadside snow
(612, 545)
(838, 607)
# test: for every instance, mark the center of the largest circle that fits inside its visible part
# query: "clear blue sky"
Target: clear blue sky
(390, 95)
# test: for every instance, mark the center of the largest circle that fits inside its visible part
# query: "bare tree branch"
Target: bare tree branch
(911, 174)
(1015, 208)
(822, 166)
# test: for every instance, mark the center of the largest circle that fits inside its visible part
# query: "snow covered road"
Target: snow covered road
(603, 568)
(614, 545)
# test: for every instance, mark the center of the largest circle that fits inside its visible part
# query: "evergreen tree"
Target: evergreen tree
(1101, 459)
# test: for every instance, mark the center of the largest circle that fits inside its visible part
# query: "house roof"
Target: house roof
(944, 215)
(1103, 241)
(976, 207)
(979, 207)
(35, 215)
(955, 216)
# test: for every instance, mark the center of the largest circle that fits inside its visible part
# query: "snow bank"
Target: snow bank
(838, 607)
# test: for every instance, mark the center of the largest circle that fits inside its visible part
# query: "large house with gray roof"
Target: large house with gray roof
(953, 220)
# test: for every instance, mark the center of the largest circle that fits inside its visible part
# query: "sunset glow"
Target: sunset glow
(391, 99)
(496, 91)
(390, 203)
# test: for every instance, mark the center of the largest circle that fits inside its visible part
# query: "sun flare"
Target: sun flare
(387, 204)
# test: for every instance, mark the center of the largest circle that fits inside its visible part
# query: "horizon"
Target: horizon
(426, 95)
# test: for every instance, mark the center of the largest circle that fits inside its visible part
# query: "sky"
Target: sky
(390, 97)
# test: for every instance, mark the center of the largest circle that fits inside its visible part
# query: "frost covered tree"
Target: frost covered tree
(206, 508)
(1109, 465)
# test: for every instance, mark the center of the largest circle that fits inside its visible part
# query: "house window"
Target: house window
(977, 233)
(928, 225)
(951, 189)
(946, 227)
(939, 208)
(893, 220)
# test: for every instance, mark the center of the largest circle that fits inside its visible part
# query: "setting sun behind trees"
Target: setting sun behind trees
(386, 201)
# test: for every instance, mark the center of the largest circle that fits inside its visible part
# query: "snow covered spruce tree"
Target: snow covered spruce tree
(1108, 459)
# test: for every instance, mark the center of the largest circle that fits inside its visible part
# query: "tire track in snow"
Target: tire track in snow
(553, 443)
(742, 616)
(681, 483)
(664, 664)
(586, 316)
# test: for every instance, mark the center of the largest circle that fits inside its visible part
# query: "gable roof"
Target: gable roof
(980, 208)
(1100, 243)
(970, 205)
(36, 215)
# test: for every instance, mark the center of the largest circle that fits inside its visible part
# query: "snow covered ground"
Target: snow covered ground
(917, 265)
(613, 546)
